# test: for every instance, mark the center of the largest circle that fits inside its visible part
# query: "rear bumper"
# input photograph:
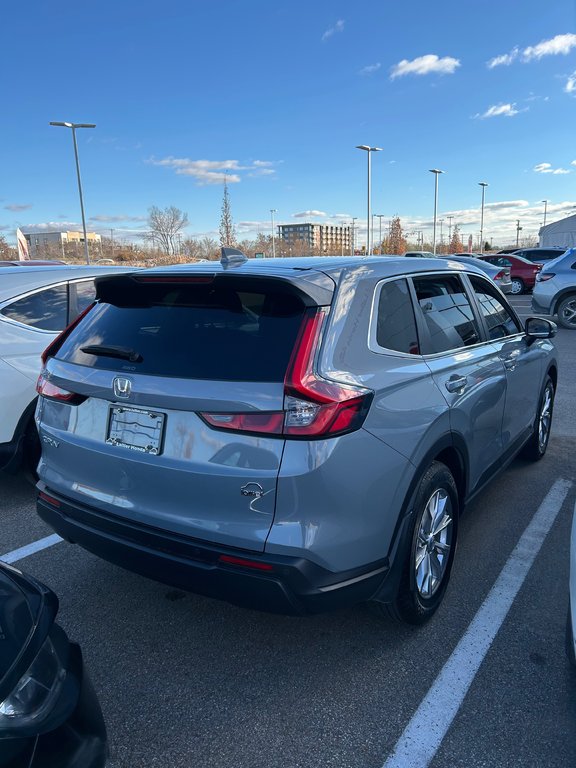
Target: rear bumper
(289, 585)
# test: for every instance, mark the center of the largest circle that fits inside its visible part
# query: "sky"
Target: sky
(275, 97)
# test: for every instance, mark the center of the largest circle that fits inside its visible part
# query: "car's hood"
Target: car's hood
(27, 611)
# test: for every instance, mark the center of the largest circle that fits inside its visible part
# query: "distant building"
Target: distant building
(52, 244)
(562, 233)
(323, 238)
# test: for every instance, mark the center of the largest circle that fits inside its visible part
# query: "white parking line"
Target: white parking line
(425, 731)
(30, 549)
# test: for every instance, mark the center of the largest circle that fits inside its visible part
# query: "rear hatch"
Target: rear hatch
(165, 404)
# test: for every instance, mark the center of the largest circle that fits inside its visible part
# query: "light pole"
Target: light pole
(380, 216)
(441, 222)
(352, 239)
(74, 126)
(545, 211)
(449, 230)
(369, 151)
(518, 230)
(482, 184)
(272, 212)
(436, 173)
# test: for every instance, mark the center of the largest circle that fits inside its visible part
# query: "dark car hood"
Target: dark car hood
(27, 611)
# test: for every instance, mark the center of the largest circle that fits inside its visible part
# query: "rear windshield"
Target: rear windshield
(191, 331)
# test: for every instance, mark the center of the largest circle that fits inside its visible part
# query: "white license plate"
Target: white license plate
(136, 429)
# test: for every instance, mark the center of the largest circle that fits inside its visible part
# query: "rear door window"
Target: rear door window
(193, 331)
(46, 309)
(446, 312)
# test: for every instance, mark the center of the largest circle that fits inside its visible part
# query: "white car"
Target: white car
(571, 621)
(36, 303)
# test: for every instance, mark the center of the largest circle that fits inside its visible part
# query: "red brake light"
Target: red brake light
(53, 392)
(543, 276)
(55, 345)
(313, 406)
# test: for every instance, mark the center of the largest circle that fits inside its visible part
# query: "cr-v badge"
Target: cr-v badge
(122, 387)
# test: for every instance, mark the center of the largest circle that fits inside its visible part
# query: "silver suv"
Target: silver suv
(555, 289)
(292, 435)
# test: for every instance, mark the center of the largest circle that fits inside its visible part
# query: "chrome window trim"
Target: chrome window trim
(373, 345)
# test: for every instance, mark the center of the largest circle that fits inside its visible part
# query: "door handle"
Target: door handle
(509, 361)
(456, 384)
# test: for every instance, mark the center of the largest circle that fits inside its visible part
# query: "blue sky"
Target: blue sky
(277, 96)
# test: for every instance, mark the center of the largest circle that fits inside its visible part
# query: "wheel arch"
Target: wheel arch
(571, 291)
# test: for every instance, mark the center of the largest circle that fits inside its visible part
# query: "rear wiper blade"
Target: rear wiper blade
(122, 353)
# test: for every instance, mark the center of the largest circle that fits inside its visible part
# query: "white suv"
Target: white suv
(36, 303)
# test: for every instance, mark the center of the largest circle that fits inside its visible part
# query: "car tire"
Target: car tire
(567, 312)
(518, 286)
(536, 446)
(428, 561)
(570, 639)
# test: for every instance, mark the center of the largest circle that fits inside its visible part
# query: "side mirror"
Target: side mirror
(539, 328)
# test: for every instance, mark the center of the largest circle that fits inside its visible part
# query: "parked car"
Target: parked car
(36, 303)
(540, 255)
(292, 435)
(49, 713)
(555, 289)
(500, 275)
(522, 272)
(421, 254)
(30, 263)
(571, 619)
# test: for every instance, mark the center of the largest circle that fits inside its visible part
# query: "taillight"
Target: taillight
(541, 277)
(500, 275)
(55, 345)
(313, 406)
(52, 392)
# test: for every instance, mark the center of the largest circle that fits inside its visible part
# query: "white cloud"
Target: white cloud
(561, 44)
(425, 65)
(547, 168)
(338, 27)
(505, 59)
(370, 69)
(308, 214)
(570, 86)
(115, 219)
(207, 172)
(499, 110)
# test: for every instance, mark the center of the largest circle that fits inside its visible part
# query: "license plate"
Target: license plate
(136, 429)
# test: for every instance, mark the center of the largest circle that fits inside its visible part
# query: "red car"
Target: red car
(522, 272)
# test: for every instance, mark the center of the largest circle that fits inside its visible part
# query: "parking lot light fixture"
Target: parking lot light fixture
(73, 126)
(483, 184)
(436, 172)
(369, 151)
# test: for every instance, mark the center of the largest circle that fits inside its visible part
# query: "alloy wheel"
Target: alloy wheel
(433, 543)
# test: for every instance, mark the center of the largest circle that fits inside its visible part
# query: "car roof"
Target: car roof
(20, 280)
(290, 267)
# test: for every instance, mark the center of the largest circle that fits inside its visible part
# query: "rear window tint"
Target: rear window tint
(447, 314)
(192, 331)
(396, 326)
(46, 309)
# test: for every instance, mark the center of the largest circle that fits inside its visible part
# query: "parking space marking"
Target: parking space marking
(424, 733)
(31, 549)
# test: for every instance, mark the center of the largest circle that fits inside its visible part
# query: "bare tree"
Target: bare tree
(209, 248)
(7, 252)
(164, 226)
(227, 231)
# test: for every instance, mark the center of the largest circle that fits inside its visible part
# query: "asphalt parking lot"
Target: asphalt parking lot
(188, 681)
